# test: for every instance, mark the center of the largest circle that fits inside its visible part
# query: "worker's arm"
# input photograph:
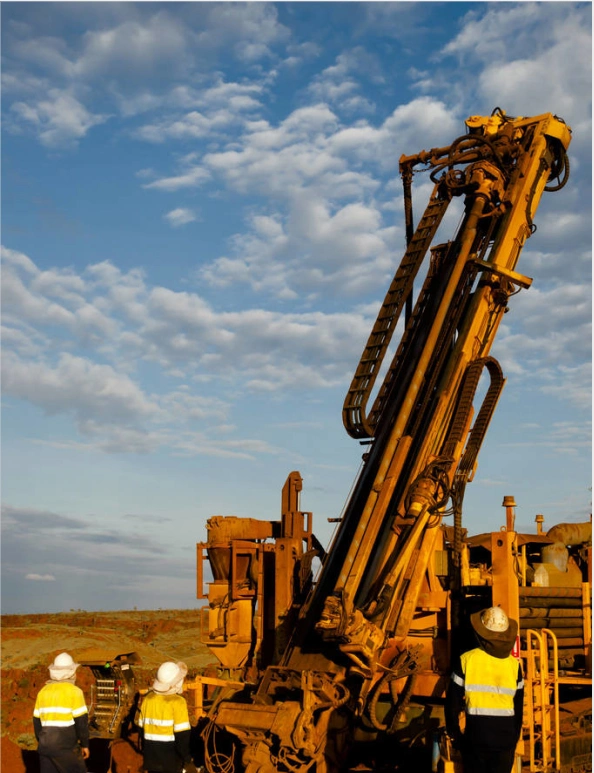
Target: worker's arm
(182, 730)
(82, 733)
(454, 704)
(81, 722)
(519, 702)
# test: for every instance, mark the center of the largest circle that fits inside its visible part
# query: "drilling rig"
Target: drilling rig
(349, 670)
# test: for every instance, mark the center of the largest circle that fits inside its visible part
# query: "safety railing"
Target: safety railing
(541, 691)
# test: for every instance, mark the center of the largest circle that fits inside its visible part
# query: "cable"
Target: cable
(215, 761)
(559, 167)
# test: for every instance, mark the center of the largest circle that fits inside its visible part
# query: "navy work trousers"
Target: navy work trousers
(477, 759)
(63, 762)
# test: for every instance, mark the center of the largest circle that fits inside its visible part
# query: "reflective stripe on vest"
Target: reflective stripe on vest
(490, 684)
(58, 704)
(161, 716)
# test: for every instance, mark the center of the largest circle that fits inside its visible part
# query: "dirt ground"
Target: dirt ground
(30, 643)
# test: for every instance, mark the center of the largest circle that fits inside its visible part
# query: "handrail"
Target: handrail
(539, 683)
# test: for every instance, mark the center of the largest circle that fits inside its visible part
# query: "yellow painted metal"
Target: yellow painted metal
(196, 687)
(505, 572)
(258, 567)
(380, 623)
(542, 692)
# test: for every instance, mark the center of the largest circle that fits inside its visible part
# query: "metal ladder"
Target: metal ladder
(106, 702)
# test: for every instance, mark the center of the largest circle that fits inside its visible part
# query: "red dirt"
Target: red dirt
(30, 643)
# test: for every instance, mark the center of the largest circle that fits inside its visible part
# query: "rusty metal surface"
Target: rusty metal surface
(484, 540)
(571, 533)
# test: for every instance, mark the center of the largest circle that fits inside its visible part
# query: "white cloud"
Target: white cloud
(402, 21)
(338, 83)
(77, 386)
(137, 64)
(310, 148)
(17, 297)
(19, 259)
(574, 384)
(52, 297)
(181, 334)
(550, 342)
(345, 251)
(180, 216)
(106, 556)
(41, 577)
(193, 125)
(58, 120)
(162, 41)
(192, 178)
(529, 52)
(50, 53)
(248, 30)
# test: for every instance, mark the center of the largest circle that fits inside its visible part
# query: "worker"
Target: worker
(61, 720)
(165, 724)
(487, 685)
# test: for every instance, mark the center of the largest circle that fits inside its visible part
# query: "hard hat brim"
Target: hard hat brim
(60, 673)
(169, 688)
(497, 636)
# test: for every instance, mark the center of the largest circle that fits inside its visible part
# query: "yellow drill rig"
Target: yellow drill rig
(350, 670)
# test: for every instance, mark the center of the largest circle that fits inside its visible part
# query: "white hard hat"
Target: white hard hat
(170, 677)
(494, 619)
(63, 667)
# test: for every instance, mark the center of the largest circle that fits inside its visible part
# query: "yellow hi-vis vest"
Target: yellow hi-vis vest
(161, 716)
(58, 703)
(490, 683)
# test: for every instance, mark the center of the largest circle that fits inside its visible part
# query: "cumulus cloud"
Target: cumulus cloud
(313, 250)
(136, 64)
(180, 216)
(76, 385)
(182, 335)
(402, 21)
(528, 52)
(216, 108)
(249, 30)
(59, 119)
(151, 46)
(340, 83)
(550, 342)
(305, 162)
(311, 148)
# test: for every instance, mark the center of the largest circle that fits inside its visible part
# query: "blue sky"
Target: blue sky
(201, 215)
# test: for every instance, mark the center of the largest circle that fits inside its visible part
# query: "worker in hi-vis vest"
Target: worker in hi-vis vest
(165, 724)
(487, 686)
(61, 720)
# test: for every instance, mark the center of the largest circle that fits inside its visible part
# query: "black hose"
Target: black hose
(560, 168)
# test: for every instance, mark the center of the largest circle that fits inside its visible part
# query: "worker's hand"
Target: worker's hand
(85, 752)
(189, 767)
